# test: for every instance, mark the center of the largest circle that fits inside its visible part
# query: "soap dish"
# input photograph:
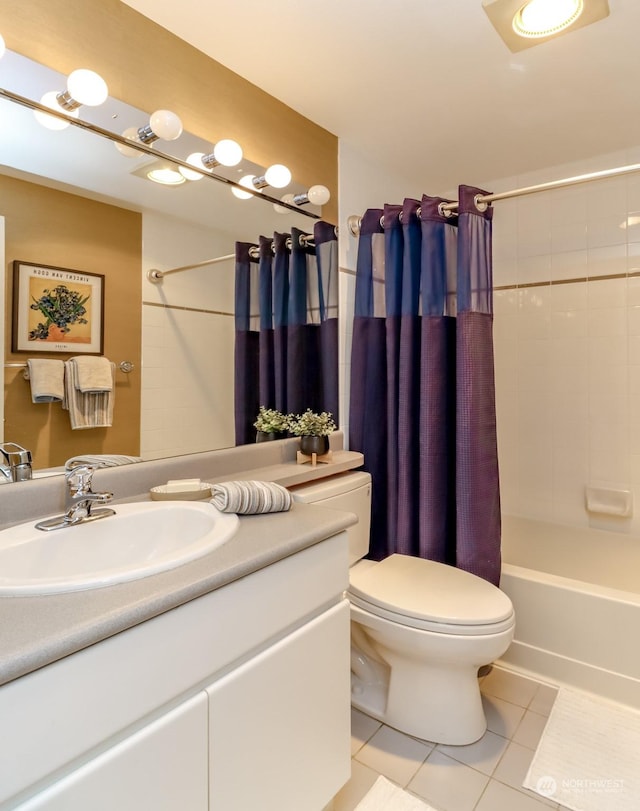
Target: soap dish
(160, 493)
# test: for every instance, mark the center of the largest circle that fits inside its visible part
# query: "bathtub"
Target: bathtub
(576, 594)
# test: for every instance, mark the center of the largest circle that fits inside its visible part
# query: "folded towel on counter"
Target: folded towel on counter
(93, 374)
(250, 497)
(101, 460)
(47, 380)
(90, 409)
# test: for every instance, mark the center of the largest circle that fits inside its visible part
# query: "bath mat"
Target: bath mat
(385, 796)
(588, 758)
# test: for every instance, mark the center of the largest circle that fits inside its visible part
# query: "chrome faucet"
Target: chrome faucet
(80, 501)
(17, 462)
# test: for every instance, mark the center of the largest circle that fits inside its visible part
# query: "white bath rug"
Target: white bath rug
(385, 796)
(588, 758)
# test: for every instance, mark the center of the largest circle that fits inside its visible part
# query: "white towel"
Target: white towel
(93, 374)
(250, 497)
(90, 410)
(47, 380)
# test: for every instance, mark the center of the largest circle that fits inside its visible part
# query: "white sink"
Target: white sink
(141, 539)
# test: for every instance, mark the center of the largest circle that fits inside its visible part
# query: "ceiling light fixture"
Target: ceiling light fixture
(525, 24)
(166, 175)
(277, 176)
(83, 87)
(316, 195)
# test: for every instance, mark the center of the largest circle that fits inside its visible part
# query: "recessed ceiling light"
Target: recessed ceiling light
(160, 172)
(525, 24)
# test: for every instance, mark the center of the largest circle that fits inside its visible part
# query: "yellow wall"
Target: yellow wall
(50, 227)
(149, 68)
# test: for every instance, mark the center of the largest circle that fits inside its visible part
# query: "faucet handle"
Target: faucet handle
(18, 460)
(79, 479)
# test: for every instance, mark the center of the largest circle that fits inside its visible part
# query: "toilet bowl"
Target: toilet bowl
(420, 630)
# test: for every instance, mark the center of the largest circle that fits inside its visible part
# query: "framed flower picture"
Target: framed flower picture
(57, 310)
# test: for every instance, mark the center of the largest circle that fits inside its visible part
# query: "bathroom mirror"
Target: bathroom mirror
(190, 223)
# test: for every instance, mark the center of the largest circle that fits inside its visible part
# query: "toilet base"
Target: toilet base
(448, 709)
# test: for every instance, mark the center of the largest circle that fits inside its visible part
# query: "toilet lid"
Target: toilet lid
(429, 591)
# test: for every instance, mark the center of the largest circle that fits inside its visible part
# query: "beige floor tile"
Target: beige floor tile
(362, 728)
(394, 755)
(543, 700)
(362, 778)
(498, 797)
(513, 768)
(482, 755)
(448, 784)
(530, 729)
(509, 687)
(503, 718)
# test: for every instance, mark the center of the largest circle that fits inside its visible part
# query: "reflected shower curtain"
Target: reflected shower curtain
(422, 405)
(286, 315)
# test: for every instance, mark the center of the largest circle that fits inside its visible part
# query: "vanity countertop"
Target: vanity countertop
(35, 631)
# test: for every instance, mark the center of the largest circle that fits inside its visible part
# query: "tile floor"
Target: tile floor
(484, 776)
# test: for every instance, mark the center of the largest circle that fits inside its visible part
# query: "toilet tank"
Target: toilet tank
(349, 492)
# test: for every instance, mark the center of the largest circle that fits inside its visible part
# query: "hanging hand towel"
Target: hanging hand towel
(250, 497)
(93, 374)
(47, 380)
(87, 410)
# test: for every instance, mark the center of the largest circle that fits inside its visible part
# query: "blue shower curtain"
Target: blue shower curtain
(422, 408)
(286, 316)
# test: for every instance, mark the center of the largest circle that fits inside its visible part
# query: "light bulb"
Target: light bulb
(247, 182)
(195, 159)
(2, 46)
(131, 134)
(50, 100)
(286, 198)
(541, 18)
(166, 125)
(87, 87)
(278, 176)
(166, 175)
(227, 152)
(318, 195)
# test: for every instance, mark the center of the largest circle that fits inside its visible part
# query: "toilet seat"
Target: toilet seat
(430, 596)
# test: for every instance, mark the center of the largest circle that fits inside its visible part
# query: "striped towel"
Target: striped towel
(101, 460)
(250, 497)
(87, 410)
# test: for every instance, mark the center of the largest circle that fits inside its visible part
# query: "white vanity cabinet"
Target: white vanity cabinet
(237, 699)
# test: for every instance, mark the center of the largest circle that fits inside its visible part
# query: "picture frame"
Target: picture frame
(57, 310)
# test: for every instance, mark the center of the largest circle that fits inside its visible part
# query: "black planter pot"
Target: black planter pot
(314, 444)
(268, 436)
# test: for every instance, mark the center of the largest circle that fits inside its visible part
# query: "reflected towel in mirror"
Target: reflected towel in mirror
(47, 380)
(93, 374)
(101, 460)
(91, 409)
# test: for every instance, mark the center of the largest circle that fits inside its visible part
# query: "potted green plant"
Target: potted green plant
(313, 430)
(270, 424)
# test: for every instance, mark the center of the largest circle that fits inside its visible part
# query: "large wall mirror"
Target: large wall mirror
(71, 199)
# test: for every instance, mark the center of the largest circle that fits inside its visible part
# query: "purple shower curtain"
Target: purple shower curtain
(422, 387)
(286, 316)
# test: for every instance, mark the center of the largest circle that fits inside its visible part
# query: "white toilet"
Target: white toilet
(420, 630)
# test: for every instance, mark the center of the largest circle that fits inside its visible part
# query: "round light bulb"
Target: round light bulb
(542, 18)
(131, 134)
(227, 152)
(195, 159)
(87, 87)
(2, 46)
(50, 100)
(166, 125)
(247, 182)
(286, 198)
(318, 195)
(278, 176)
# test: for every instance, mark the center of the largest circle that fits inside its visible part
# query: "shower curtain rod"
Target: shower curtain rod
(482, 201)
(156, 276)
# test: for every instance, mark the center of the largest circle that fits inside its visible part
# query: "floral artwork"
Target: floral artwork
(56, 309)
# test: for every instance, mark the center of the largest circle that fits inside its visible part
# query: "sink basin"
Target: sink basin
(141, 539)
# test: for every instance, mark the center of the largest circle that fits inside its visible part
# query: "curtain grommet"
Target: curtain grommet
(480, 204)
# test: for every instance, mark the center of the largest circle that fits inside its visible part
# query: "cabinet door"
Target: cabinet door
(161, 767)
(280, 724)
